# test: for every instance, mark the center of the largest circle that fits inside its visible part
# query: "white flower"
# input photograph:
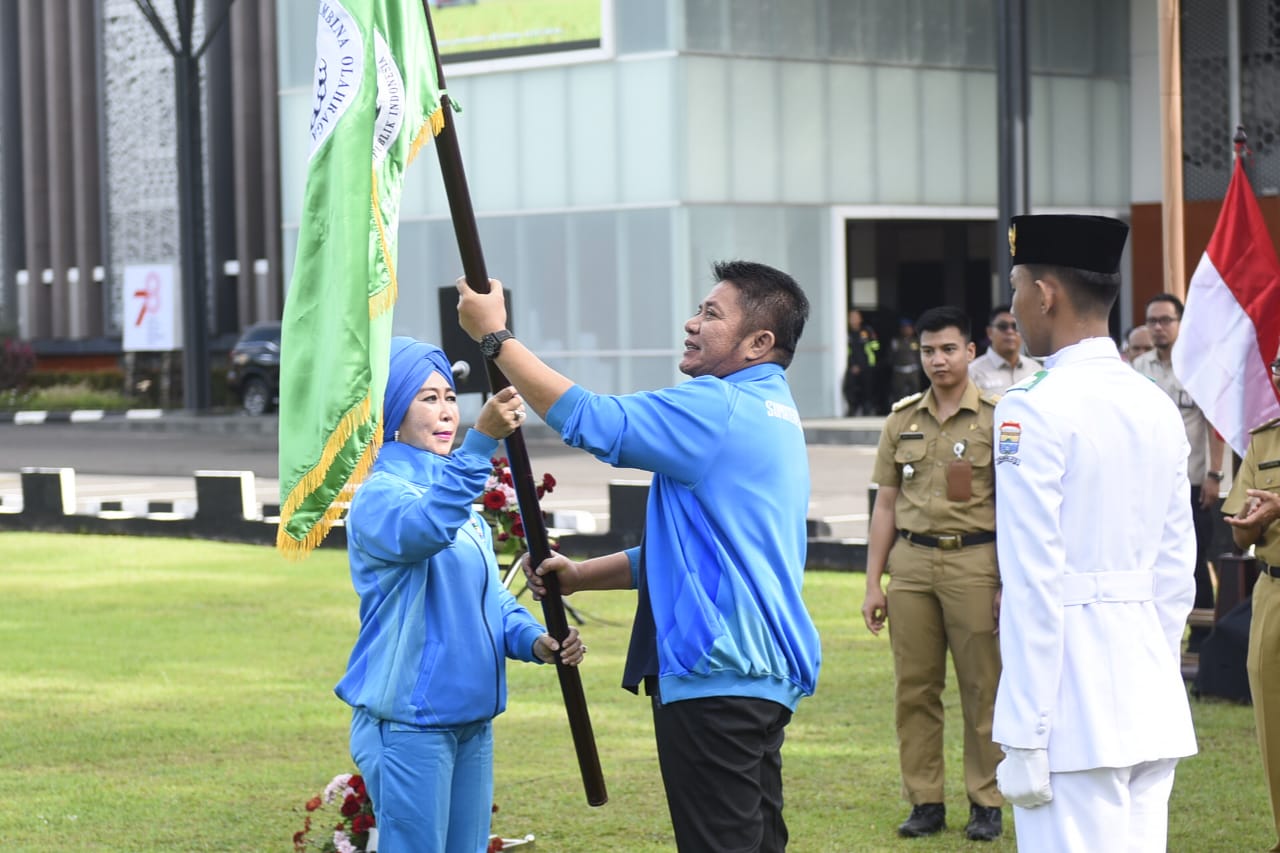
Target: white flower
(343, 843)
(338, 787)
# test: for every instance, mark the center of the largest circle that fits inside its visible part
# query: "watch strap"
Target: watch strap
(491, 343)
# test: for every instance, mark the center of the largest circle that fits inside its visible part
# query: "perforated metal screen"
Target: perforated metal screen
(1206, 113)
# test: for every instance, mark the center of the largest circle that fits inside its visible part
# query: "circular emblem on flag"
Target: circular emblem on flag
(390, 116)
(339, 69)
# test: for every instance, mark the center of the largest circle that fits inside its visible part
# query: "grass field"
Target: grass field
(499, 24)
(165, 695)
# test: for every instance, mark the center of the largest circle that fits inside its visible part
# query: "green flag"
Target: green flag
(376, 102)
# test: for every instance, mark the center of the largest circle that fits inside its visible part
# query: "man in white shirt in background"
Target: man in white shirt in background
(1204, 464)
(1137, 342)
(1003, 365)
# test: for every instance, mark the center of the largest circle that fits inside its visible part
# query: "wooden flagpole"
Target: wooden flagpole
(535, 529)
(1175, 273)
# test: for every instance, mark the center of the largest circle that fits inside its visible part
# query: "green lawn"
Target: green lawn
(498, 24)
(176, 696)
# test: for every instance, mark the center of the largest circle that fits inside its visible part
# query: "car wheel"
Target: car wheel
(257, 397)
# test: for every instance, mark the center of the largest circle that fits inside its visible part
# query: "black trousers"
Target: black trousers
(721, 766)
(1202, 519)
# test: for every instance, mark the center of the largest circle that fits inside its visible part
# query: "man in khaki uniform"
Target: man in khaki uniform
(933, 529)
(1254, 507)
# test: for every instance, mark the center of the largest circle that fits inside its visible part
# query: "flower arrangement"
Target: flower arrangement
(357, 809)
(501, 509)
(351, 833)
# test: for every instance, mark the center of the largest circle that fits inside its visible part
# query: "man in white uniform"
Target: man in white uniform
(1097, 554)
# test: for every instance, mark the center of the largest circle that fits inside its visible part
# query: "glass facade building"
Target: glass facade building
(710, 129)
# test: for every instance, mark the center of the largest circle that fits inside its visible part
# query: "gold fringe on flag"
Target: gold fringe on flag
(356, 417)
(384, 299)
(436, 122)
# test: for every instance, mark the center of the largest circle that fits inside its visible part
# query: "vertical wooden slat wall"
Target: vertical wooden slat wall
(269, 142)
(57, 132)
(34, 311)
(60, 170)
(87, 304)
(250, 74)
(63, 244)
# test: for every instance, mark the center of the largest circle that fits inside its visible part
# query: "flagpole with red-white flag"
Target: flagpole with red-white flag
(1230, 328)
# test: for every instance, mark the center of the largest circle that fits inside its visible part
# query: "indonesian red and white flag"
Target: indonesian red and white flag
(1231, 326)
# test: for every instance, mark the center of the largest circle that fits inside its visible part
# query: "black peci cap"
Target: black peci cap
(1092, 243)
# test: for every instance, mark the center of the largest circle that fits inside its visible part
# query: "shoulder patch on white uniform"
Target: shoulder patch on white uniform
(1010, 437)
(907, 401)
(1030, 382)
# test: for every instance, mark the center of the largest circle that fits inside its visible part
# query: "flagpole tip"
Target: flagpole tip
(1240, 138)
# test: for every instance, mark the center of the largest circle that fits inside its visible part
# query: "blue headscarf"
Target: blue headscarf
(411, 363)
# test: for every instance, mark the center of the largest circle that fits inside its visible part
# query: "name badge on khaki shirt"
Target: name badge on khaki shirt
(959, 476)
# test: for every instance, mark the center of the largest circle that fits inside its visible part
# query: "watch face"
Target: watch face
(492, 342)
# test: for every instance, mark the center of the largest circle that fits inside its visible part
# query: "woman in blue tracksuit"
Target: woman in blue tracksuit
(427, 674)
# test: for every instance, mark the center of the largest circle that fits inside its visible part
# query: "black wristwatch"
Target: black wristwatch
(492, 342)
(1214, 475)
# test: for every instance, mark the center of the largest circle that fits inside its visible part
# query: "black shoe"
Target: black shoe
(925, 819)
(985, 823)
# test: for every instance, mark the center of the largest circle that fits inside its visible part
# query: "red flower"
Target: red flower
(495, 845)
(517, 526)
(361, 823)
(494, 500)
(505, 478)
(548, 482)
(357, 784)
(351, 805)
(313, 804)
(300, 838)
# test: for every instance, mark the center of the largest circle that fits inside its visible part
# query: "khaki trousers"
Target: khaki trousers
(1264, 683)
(939, 600)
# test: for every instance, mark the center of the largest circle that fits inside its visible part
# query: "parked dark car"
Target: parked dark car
(254, 372)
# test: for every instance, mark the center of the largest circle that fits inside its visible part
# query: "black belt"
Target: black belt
(1274, 571)
(949, 542)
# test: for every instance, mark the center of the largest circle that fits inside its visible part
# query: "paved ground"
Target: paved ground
(138, 462)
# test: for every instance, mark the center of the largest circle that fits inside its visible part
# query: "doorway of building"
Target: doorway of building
(896, 269)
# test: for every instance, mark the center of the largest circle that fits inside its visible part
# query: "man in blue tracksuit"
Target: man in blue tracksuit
(722, 641)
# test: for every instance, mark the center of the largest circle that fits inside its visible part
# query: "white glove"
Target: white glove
(1023, 777)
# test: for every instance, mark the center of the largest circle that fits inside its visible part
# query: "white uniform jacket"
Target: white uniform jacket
(1097, 553)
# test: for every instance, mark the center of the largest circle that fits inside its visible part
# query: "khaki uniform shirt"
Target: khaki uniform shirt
(992, 374)
(1260, 470)
(1193, 419)
(915, 452)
